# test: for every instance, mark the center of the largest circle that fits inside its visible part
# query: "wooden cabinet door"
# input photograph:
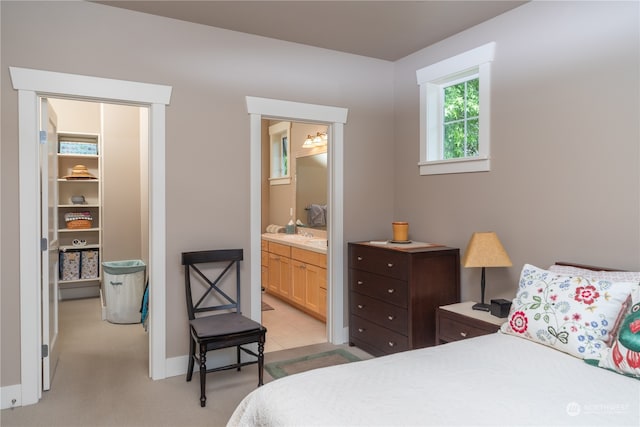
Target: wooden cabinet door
(298, 282)
(285, 277)
(273, 282)
(316, 280)
(323, 303)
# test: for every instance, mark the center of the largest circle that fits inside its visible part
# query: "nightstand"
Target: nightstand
(459, 321)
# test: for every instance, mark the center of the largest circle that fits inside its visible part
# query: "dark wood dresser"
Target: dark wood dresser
(394, 292)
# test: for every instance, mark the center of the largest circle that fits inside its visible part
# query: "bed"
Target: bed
(521, 375)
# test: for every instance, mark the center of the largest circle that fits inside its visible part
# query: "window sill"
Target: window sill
(441, 167)
(280, 181)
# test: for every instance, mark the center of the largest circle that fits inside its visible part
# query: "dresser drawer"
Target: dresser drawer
(384, 288)
(453, 327)
(279, 249)
(376, 260)
(372, 336)
(386, 315)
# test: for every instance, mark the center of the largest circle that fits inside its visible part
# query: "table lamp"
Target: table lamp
(485, 250)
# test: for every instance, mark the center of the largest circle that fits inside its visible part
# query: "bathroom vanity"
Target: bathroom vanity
(294, 269)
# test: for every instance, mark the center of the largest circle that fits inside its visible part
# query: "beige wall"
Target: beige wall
(565, 148)
(207, 132)
(565, 155)
(122, 219)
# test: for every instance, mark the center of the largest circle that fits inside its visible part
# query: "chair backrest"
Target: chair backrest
(194, 263)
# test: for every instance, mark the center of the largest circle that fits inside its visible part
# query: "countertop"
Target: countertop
(310, 243)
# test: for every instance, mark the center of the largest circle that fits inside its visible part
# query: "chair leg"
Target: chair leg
(203, 374)
(192, 354)
(238, 357)
(260, 360)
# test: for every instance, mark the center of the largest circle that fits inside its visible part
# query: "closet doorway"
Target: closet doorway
(31, 84)
(115, 198)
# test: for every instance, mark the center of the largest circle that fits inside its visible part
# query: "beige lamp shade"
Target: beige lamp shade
(485, 250)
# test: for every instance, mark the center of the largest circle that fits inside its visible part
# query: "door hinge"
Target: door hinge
(44, 244)
(45, 350)
(43, 137)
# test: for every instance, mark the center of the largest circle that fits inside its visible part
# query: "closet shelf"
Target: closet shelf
(71, 247)
(95, 279)
(79, 230)
(77, 156)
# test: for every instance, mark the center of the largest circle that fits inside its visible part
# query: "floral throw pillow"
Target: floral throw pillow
(572, 314)
(624, 355)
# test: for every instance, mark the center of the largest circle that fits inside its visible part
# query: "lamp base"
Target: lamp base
(481, 307)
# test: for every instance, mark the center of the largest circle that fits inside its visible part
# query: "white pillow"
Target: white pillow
(614, 276)
(570, 313)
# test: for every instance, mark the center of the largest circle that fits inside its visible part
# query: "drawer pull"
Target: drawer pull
(390, 265)
(360, 306)
(359, 258)
(360, 282)
(391, 344)
(391, 290)
(360, 330)
(390, 317)
(463, 334)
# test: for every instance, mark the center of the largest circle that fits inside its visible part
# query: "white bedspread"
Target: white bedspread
(491, 380)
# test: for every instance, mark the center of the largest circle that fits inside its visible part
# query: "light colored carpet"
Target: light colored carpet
(102, 380)
(312, 361)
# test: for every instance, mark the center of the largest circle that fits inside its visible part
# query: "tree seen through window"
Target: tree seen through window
(461, 118)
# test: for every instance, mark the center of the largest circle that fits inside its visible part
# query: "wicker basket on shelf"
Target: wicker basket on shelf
(78, 220)
(79, 224)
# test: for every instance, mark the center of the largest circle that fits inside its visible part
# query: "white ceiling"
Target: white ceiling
(387, 30)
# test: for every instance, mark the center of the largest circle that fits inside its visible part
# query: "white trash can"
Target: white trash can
(124, 288)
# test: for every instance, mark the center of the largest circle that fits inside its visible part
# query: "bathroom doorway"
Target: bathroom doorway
(334, 118)
(293, 263)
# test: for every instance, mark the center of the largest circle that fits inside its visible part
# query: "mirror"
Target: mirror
(311, 190)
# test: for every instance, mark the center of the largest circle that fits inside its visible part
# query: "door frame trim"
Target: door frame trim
(31, 84)
(335, 118)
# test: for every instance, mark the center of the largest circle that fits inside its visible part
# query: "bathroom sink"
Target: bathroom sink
(293, 237)
(320, 243)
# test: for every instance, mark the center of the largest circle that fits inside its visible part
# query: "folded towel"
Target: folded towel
(317, 215)
(273, 228)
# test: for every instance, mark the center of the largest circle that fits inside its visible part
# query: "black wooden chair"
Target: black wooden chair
(227, 329)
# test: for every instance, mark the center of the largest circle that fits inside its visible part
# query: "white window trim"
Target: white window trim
(278, 130)
(475, 61)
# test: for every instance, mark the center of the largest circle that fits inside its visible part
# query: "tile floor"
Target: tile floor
(288, 327)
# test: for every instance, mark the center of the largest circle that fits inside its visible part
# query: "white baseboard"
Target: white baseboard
(11, 396)
(345, 335)
(175, 366)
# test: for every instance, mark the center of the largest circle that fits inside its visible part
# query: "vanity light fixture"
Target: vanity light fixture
(308, 143)
(315, 141)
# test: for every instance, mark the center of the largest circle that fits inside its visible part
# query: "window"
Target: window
(455, 113)
(279, 153)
